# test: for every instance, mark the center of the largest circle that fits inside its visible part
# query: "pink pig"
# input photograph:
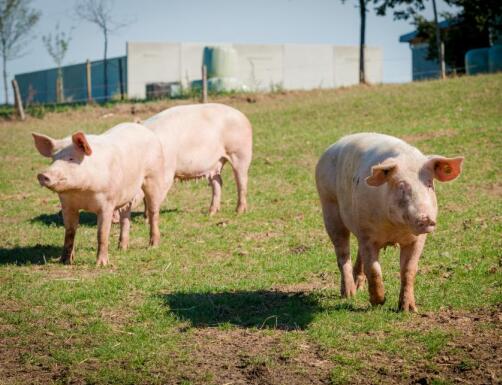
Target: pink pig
(101, 173)
(197, 141)
(381, 189)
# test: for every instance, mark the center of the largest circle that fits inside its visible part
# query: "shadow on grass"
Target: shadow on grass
(260, 309)
(56, 219)
(38, 254)
(87, 219)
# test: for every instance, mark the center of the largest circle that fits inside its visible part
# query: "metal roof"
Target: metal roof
(408, 37)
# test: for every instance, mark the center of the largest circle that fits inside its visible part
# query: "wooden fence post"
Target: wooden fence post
(89, 82)
(204, 84)
(18, 101)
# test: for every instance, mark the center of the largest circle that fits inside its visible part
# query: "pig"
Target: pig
(102, 173)
(198, 140)
(381, 189)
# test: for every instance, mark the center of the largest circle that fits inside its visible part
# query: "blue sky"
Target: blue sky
(235, 21)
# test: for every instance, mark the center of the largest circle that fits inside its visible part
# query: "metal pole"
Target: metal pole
(439, 43)
(204, 84)
(18, 101)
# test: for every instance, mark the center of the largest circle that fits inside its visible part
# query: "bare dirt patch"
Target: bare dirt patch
(471, 356)
(323, 280)
(247, 357)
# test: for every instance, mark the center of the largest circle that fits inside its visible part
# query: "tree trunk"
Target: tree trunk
(59, 86)
(105, 65)
(362, 73)
(6, 89)
(439, 43)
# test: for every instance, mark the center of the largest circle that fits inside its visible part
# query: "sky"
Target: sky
(215, 21)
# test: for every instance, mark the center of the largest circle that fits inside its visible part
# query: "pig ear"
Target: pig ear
(445, 169)
(381, 173)
(44, 144)
(80, 141)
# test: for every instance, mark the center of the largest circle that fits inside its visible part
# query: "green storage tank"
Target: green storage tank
(495, 58)
(476, 61)
(222, 68)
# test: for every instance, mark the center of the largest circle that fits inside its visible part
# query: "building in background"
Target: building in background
(472, 61)
(148, 69)
(421, 67)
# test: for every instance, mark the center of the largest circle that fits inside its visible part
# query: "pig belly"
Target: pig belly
(127, 194)
(199, 165)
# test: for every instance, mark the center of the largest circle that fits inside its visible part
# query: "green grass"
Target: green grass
(271, 272)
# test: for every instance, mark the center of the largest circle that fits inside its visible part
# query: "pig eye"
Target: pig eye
(71, 159)
(430, 184)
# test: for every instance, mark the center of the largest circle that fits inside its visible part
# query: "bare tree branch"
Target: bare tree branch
(100, 13)
(57, 46)
(16, 21)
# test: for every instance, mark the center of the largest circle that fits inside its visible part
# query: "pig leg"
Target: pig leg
(373, 271)
(340, 237)
(240, 166)
(154, 194)
(409, 264)
(104, 224)
(216, 184)
(359, 277)
(71, 219)
(169, 182)
(145, 210)
(116, 216)
(125, 226)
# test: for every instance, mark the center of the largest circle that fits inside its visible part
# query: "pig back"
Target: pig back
(196, 137)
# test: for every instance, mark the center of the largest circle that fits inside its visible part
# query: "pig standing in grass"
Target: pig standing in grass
(382, 190)
(101, 173)
(198, 140)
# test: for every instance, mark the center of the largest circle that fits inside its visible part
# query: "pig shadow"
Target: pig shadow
(35, 255)
(87, 219)
(262, 309)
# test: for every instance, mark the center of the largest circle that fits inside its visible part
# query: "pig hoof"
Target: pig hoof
(67, 260)
(154, 243)
(213, 210)
(348, 292)
(377, 301)
(408, 307)
(241, 209)
(102, 262)
(123, 247)
(360, 281)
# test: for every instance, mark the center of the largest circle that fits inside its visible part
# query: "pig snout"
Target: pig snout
(425, 224)
(44, 179)
(51, 180)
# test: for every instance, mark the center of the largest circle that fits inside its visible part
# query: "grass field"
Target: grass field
(254, 299)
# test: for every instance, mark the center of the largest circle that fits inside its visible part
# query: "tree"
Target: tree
(362, 38)
(57, 46)
(412, 9)
(476, 24)
(100, 12)
(16, 21)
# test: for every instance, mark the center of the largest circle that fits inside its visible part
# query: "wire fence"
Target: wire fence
(80, 83)
(259, 74)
